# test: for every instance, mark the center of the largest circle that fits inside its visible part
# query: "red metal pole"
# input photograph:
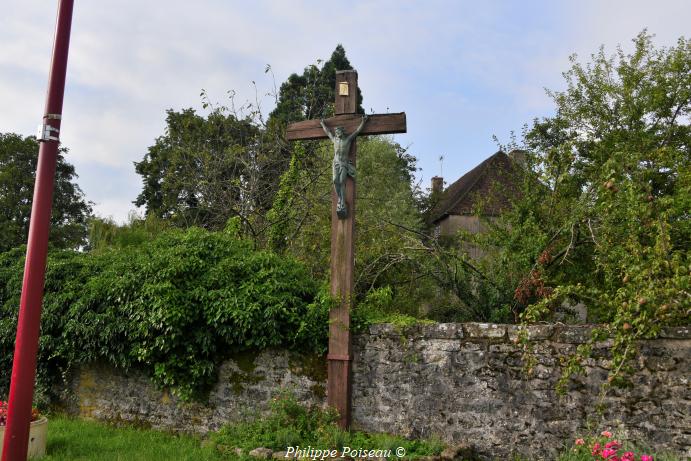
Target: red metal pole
(15, 443)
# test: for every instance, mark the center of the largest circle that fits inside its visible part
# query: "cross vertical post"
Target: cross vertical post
(345, 119)
(342, 268)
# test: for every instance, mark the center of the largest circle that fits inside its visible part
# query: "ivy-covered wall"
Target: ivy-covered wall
(462, 382)
(175, 306)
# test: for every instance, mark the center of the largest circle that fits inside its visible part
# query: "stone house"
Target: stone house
(479, 195)
(488, 189)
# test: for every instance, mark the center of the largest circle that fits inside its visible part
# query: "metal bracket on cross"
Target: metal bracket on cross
(344, 358)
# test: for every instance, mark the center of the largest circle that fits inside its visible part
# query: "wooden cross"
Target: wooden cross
(342, 230)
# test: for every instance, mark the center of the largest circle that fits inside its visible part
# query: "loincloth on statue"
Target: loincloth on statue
(339, 165)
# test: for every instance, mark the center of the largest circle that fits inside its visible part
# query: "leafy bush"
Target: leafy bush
(105, 233)
(175, 306)
(378, 306)
(290, 423)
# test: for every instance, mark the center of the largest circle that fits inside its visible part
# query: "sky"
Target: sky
(463, 71)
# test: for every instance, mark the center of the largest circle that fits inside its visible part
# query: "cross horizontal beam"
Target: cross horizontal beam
(376, 124)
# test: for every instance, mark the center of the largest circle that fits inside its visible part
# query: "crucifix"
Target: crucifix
(342, 129)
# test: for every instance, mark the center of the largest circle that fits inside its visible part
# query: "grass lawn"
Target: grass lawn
(79, 440)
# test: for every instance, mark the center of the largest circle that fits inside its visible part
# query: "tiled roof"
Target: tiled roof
(494, 181)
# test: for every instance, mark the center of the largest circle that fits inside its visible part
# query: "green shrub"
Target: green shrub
(175, 306)
(291, 424)
(378, 306)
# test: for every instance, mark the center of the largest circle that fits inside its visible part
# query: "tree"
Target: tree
(302, 97)
(70, 213)
(387, 216)
(611, 227)
(617, 160)
(205, 170)
(311, 94)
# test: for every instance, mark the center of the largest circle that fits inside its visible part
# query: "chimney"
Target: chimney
(437, 185)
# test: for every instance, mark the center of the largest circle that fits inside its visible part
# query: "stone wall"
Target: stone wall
(245, 387)
(461, 382)
(466, 383)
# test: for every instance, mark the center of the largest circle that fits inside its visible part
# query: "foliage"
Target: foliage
(205, 170)
(292, 424)
(311, 95)
(208, 168)
(105, 233)
(175, 306)
(284, 209)
(18, 162)
(465, 289)
(609, 223)
(387, 213)
(387, 218)
(379, 306)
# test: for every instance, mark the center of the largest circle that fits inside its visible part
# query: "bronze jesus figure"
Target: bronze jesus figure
(342, 167)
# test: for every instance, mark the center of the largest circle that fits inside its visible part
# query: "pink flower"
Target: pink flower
(628, 456)
(580, 442)
(608, 453)
(647, 458)
(3, 413)
(596, 449)
(613, 444)
(607, 434)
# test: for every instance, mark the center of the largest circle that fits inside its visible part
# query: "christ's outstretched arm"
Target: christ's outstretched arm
(358, 129)
(326, 129)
